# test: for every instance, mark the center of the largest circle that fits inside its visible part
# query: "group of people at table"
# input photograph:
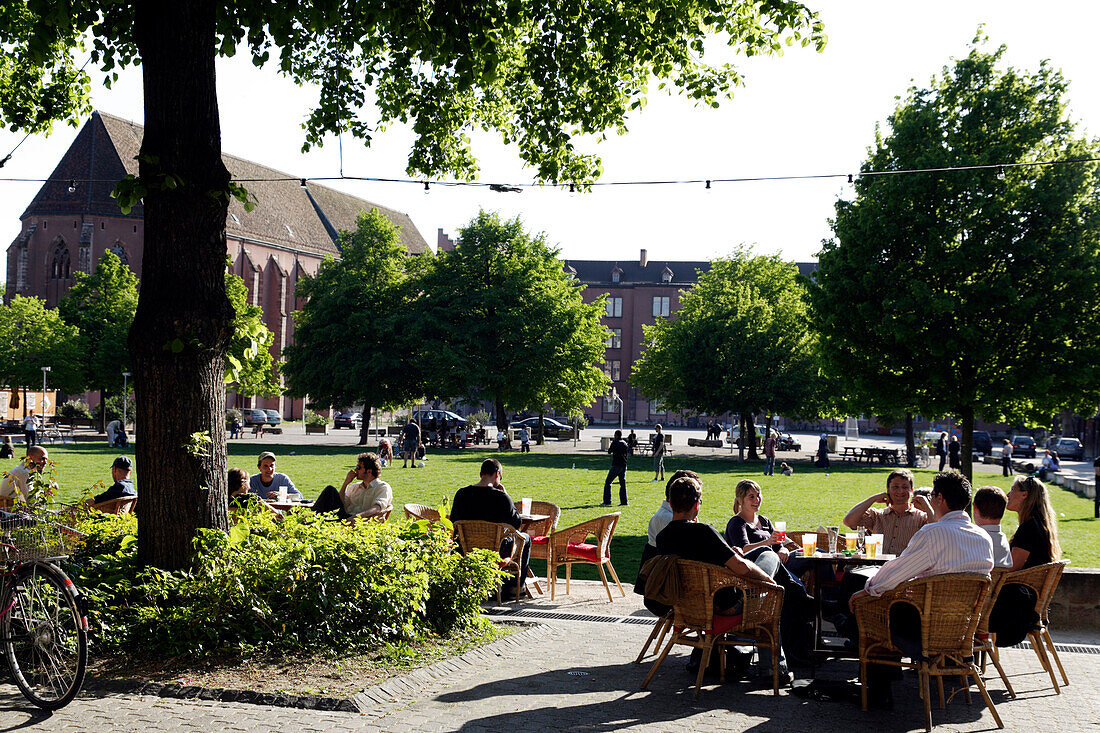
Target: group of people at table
(930, 535)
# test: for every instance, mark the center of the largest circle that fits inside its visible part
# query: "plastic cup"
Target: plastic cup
(282, 494)
(525, 506)
(809, 544)
(781, 530)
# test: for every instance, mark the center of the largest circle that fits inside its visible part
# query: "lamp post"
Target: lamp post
(125, 392)
(44, 370)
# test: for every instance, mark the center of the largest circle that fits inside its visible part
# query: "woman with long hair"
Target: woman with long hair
(1035, 543)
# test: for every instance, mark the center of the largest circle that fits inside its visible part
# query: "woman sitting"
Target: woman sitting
(753, 533)
(1035, 543)
(1050, 465)
(240, 499)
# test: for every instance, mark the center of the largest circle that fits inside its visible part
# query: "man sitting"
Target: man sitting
(487, 501)
(989, 508)
(951, 544)
(899, 520)
(368, 497)
(123, 485)
(240, 499)
(14, 485)
(657, 522)
(692, 540)
(267, 483)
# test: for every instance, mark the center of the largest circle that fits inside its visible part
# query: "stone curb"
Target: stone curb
(366, 701)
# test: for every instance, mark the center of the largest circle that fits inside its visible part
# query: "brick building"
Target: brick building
(639, 292)
(73, 220)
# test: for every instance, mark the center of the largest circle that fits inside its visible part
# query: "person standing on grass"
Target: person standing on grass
(619, 451)
(658, 444)
(30, 429)
(954, 453)
(1006, 458)
(769, 453)
(941, 450)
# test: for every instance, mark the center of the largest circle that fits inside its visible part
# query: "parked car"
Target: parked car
(983, 443)
(554, 428)
(1023, 445)
(735, 436)
(273, 417)
(251, 416)
(1068, 449)
(353, 420)
(423, 416)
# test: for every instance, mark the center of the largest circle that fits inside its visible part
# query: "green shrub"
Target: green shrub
(309, 417)
(113, 405)
(303, 582)
(75, 408)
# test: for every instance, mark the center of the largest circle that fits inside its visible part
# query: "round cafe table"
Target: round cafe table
(825, 566)
(288, 504)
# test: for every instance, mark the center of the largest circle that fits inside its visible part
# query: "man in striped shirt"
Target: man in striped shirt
(899, 520)
(951, 544)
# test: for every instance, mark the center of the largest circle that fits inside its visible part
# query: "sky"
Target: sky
(804, 113)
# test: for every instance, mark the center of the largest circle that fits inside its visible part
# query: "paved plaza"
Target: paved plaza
(560, 673)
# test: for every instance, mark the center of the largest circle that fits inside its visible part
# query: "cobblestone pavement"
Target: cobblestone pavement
(580, 674)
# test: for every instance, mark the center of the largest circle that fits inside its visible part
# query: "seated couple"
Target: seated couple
(689, 539)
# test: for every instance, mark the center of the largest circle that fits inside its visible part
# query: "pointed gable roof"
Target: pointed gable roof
(305, 220)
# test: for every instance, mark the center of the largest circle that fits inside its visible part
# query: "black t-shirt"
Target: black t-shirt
(484, 503)
(740, 533)
(411, 431)
(954, 448)
(1031, 536)
(619, 450)
(693, 541)
(119, 489)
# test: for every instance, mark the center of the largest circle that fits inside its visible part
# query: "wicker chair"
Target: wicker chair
(568, 546)
(540, 532)
(121, 505)
(695, 624)
(984, 646)
(477, 535)
(950, 607)
(1043, 579)
(659, 630)
(419, 511)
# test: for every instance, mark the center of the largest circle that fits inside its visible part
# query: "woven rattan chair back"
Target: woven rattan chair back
(121, 505)
(543, 527)
(420, 511)
(1043, 579)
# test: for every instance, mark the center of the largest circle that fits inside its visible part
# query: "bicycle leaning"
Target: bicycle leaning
(43, 615)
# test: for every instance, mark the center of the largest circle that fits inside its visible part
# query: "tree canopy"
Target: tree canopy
(499, 319)
(33, 336)
(971, 293)
(352, 343)
(740, 343)
(249, 365)
(540, 75)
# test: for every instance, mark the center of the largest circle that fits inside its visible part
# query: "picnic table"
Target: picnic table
(871, 454)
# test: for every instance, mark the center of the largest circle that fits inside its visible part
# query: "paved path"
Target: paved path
(580, 675)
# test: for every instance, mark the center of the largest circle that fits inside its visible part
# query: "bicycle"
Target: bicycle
(924, 459)
(43, 615)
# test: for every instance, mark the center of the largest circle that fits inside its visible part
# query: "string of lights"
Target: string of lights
(998, 168)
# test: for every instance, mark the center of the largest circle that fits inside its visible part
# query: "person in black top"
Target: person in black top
(1035, 543)
(954, 453)
(941, 450)
(410, 443)
(123, 485)
(487, 501)
(6, 449)
(632, 442)
(619, 450)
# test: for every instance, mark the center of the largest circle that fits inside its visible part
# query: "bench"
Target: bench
(52, 433)
(702, 443)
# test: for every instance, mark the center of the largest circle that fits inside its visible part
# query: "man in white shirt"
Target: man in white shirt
(30, 429)
(15, 482)
(989, 507)
(367, 497)
(951, 544)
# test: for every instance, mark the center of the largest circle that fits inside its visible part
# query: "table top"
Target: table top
(288, 504)
(842, 559)
(534, 517)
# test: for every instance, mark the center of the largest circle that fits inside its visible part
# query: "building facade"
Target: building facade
(73, 220)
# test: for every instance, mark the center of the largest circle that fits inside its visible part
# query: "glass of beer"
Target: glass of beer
(809, 544)
(781, 530)
(282, 494)
(851, 543)
(874, 544)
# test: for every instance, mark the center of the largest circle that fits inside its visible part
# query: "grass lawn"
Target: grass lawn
(575, 483)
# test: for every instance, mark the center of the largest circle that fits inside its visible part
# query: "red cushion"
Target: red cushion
(582, 549)
(540, 540)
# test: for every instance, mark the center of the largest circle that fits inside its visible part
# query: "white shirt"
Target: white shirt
(953, 544)
(16, 480)
(659, 521)
(1002, 553)
(30, 423)
(359, 498)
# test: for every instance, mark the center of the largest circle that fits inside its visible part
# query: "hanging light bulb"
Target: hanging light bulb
(427, 188)
(72, 186)
(1000, 173)
(708, 185)
(303, 183)
(849, 178)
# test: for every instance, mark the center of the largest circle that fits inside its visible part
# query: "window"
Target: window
(612, 368)
(656, 407)
(609, 405)
(666, 276)
(616, 275)
(614, 308)
(120, 252)
(615, 340)
(59, 268)
(660, 306)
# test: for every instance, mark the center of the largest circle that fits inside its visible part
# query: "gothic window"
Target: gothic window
(21, 269)
(59, 264)
(119, 251)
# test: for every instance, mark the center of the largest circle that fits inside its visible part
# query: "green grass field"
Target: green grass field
(805, 500)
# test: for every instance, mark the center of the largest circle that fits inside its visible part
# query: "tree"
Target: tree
(499, 319)
(740, 343)
(101, 305)
(973, 293)
(33, 336)
(539, 74)
(352, 342)
(249, 365)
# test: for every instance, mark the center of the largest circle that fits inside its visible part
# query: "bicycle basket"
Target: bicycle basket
(27, 538)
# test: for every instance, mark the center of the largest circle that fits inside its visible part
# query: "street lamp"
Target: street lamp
(125, 377)
(44, 370)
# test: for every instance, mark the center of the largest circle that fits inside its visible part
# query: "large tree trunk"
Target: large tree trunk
(910, 443)
(968, 442)
(748, 419)
(501, 416)
(364, 427)
(182, 327)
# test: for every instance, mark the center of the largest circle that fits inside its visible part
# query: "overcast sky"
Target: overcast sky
(800, 114)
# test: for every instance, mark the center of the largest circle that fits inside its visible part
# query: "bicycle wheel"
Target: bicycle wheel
(45, 635)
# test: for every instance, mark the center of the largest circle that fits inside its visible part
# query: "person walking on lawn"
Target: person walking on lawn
(619, 450)
(658, 444)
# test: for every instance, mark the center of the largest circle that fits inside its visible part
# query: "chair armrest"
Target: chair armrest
(560, 539)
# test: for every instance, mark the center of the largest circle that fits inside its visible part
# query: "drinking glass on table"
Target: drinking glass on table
(525, 506)
(781, 531)
(834, 532)
(809, 544)
(851, 543)
(282, 494)
(874, 544)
